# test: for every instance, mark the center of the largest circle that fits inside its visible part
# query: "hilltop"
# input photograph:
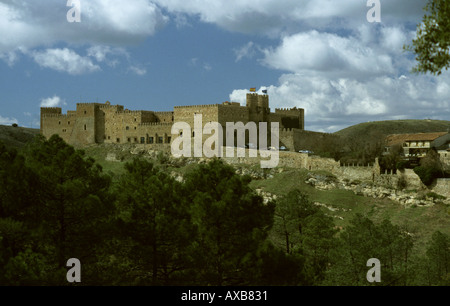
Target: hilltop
(16, 137)
(362, 130)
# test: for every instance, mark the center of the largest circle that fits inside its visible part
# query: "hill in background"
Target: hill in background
(360, 134)
(362, 130)
(16, 137)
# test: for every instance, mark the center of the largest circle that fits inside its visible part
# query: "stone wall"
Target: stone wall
(442, 187)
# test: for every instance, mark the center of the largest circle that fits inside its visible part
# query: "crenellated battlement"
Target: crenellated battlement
(293, 110)
(57, 115)
(93, 122)
(155, 124)
(197, 106)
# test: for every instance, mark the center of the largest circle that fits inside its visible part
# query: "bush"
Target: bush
(427, 175)
(15, 125)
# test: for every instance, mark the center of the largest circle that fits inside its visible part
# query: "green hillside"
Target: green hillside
(361, 130)
(16, 137)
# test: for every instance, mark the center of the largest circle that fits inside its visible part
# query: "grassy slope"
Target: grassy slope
(394, 127)
(16, 137)
(422, 221)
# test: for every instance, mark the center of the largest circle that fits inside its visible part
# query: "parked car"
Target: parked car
(306, 151)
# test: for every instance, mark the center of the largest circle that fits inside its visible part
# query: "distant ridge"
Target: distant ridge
(384, 128)
(16, 137)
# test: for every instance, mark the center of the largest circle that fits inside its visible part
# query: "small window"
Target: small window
(109, 137)
(129, 139)
(68, 122)
(85, 112)
(118, 140)
(59, 122)
(135, 119)
(134, 127)
(127, 128)
(169, 139)
(160, 140)
(142, 139)
(135, 139)
(85, 128)
(150, 140)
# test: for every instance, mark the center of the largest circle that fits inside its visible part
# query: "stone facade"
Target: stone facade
(94, 123)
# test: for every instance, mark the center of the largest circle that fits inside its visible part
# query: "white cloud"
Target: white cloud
(30, 24)
(246, 51)
(7, 120)
(138, 70)
(51, 101)
(272, 17)
(332, 104)
(64, 60)
(326, 52)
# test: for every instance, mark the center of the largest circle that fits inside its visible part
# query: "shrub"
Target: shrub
(15, 125)
(427, 175)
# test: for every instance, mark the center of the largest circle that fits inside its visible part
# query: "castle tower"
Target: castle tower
(258, 106)
(48, 111)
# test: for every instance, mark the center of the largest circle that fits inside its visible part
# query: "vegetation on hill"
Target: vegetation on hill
(363, 142)
(212, 228)
(16, 136)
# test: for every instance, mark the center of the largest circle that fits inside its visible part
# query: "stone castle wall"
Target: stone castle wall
(442, 187)
(105, 123)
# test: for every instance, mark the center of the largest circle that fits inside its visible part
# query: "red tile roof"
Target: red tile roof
(394, 139)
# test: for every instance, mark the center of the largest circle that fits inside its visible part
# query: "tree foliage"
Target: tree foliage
(431, 46)
(211, 228)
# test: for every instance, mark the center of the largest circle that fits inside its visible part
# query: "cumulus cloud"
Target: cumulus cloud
(51, 101)
(326, 52)
(272, 17)
(332, 104)
(29, 24)
(64, 60)
(7, 120)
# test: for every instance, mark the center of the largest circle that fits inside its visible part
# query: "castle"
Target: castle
(95, 123)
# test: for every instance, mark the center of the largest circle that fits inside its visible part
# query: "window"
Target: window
(142, 139)
(109, 137)
(169, 139)
(85, 128)
(150, 140)
(59, 122)
(68, 122)
(135, 139)
(160, 140)
(129, 139)
(118, 140)
(127, 128)
(134, 127)
(85, 112)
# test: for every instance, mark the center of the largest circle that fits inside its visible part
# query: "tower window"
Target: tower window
(85, 128)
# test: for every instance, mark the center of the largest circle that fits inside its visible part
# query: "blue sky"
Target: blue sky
(321, 55)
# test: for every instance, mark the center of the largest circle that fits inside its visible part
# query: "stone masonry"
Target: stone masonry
(95, 123)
